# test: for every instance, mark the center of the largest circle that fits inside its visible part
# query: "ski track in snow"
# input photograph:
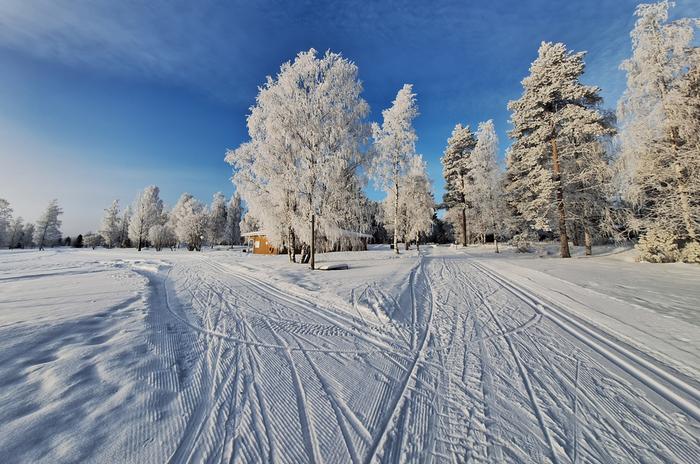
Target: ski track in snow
(241, 370)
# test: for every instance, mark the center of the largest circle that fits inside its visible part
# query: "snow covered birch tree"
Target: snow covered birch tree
(47, 230)
(395, 142)
(554, 102)
(455, 170)
(659, 128)
(420, 204)
(147, 212)
(111, 225)
(487, 178)
(15, 233)
(217, 219)
(189, 220)
(306, 133)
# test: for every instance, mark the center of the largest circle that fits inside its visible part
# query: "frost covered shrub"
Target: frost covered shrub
(691, 253)
(658, 246)
(521, 242)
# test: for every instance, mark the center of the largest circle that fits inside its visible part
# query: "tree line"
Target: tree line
(578, 172)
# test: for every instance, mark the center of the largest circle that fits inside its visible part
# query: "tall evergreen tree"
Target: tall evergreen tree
(455, 170)
(554, 104)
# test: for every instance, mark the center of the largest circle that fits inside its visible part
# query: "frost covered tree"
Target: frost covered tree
(111, 225)
(306, 132)
(93, 240)
(189, 219)
(15, 233)
(124, 223)
(146, 212)
(48, 227)
(554, 105)
(28, 236)
(419, 201)
(217, 219)
(161, 236)
(234, 216)
(5, 217)
(486, 191)
(659, 120)
(395, 145)
(455, 170)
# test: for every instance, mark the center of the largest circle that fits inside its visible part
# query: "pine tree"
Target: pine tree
(48, 226)
(455, 170)
(554, 105)
(395, 142)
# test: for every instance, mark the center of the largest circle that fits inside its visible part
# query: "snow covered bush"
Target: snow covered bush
(522, 243)
(658, 246)
(691, 253)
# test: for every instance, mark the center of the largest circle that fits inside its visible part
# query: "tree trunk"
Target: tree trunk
(291, 250)
(464, 227)
(495, 236)
(396, 217)
(587, 240)
(563, 238)
(312, 259)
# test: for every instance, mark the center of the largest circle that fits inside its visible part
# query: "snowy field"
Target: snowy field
(449, 355)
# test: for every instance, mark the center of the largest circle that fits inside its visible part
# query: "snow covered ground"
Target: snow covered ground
(448, 355)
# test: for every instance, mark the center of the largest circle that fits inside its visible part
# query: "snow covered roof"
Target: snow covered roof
(345, 233)
(254, 233)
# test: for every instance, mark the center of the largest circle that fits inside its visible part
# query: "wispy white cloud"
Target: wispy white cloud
(181, 41)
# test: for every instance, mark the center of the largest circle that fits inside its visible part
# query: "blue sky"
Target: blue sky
(100, 98)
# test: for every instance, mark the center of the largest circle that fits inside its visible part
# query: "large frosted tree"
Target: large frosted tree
(659, 119)
(455, 170)
(395, 146)
(554, 105)
(48, 226)
(147, 211)
(306, 132)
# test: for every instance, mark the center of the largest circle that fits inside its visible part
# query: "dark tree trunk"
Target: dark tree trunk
(563, 238)
(312, 259)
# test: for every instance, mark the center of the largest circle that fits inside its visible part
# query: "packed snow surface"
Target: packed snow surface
(447, 355)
